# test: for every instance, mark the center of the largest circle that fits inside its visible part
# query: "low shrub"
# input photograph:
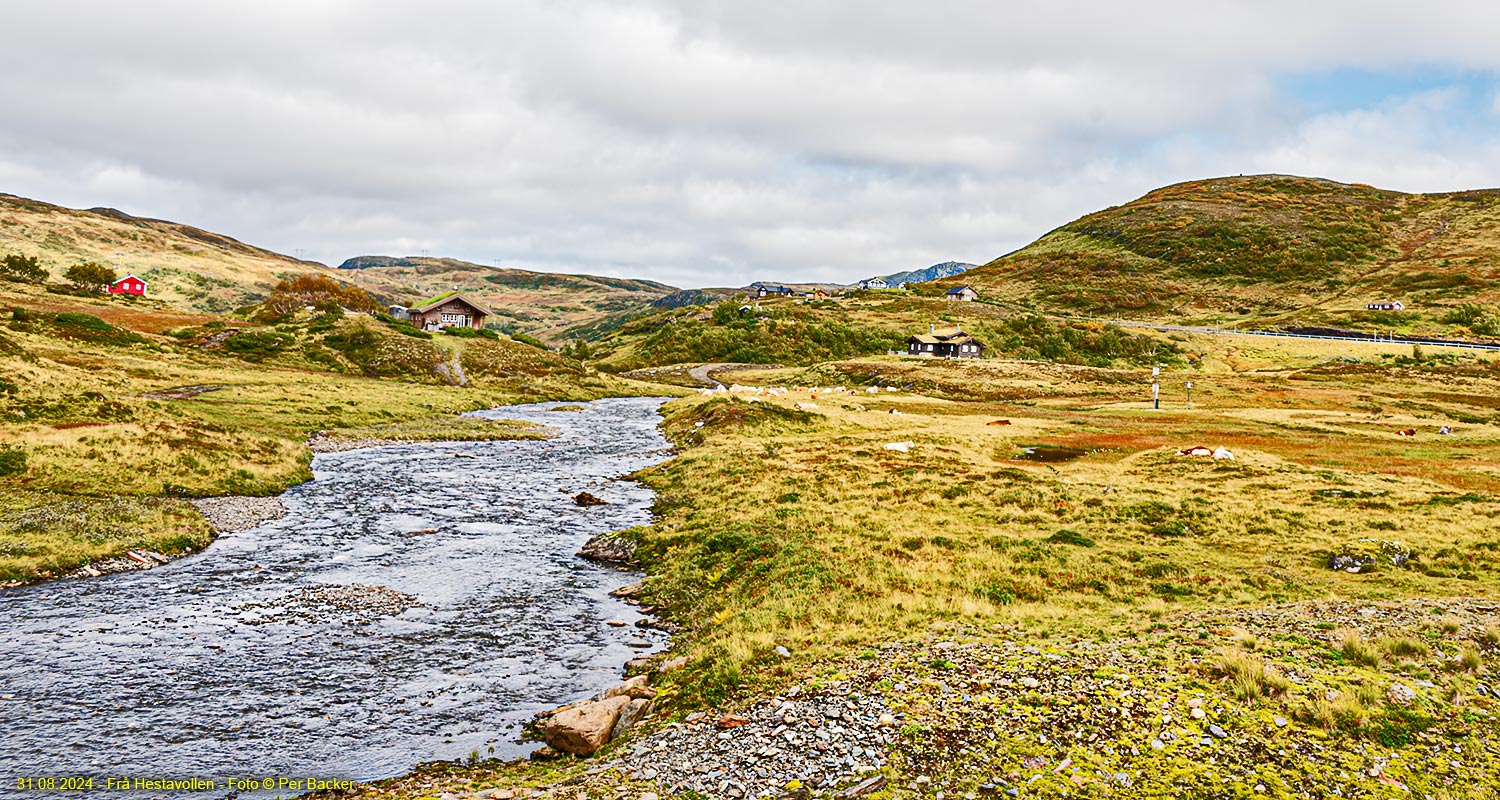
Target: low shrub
(1072, 537)
(12, 461)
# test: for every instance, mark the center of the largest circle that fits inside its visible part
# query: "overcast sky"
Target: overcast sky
(707, 143)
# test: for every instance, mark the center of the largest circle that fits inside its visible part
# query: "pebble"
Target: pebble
(1217, 731)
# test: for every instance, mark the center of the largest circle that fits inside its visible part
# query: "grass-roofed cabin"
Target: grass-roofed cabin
(448, 311)
(944, 344)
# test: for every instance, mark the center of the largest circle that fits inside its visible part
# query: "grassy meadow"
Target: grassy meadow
(795, 526)
(785, 526)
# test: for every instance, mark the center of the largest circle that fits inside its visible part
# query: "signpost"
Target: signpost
(1156, 388)
(1190, 395)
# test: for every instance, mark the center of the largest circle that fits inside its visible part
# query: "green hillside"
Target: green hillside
(1268, 248)
(187, 268)
(537, 304)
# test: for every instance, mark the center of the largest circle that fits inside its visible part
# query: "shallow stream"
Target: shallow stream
(234, 662)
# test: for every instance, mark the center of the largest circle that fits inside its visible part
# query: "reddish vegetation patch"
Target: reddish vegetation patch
(142, 320)
(63, 426)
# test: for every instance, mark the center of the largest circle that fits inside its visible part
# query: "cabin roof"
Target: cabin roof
(445, 298)
(129, 277)
(961, 289)
(954, 336)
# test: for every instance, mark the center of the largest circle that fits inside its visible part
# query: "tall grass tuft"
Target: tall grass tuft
(1249, 677)
(1354, 648)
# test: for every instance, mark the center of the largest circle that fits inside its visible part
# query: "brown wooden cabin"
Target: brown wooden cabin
(945, 344)
(453, 311)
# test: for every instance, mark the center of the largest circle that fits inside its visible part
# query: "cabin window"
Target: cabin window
(455, 319)
(929, 347)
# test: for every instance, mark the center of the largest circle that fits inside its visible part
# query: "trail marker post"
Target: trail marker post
(1190, 395)
(1156, 388)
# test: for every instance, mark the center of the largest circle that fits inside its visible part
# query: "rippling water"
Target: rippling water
(161, 674)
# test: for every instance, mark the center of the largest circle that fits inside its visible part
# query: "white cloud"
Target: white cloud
(704, 142)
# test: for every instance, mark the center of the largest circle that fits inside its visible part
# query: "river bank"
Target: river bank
(391, 615)
(164, 529)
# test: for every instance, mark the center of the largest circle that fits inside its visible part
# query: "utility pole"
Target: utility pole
(1156, 388)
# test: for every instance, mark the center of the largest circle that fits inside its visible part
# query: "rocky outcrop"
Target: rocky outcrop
(1368, 555)
(586, 499)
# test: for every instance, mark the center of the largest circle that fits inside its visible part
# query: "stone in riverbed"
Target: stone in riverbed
(584, 728)
(628, 590)
(586, 499)
(610, 548)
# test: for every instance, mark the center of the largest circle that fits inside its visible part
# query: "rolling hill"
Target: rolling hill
(193, 270)
(187, 267)
(1268, 248)
(539, 304)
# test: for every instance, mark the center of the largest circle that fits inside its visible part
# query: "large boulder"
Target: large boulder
(633, 688)
(629, 716)
(585, 727)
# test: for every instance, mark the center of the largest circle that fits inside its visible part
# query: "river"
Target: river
(195, 668)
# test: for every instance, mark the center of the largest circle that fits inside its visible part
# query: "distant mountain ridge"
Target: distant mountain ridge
(947, 269)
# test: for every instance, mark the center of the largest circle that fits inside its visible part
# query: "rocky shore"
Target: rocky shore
(225, 514)
(324, 442)
(228, 514)
(1004, 713)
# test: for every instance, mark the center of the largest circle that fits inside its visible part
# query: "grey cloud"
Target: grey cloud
(700, 143)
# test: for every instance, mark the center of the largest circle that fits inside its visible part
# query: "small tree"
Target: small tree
(318, 291)
(23, 269)
(90, 275)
